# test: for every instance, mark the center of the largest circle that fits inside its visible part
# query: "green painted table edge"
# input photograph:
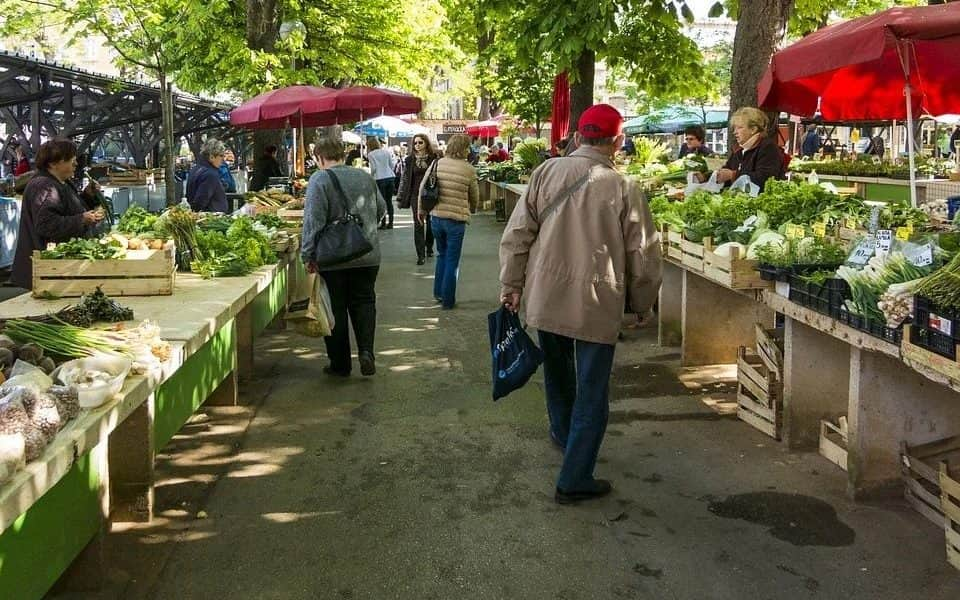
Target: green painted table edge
(270, 302)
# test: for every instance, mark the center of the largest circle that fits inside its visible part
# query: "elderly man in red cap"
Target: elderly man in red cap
(580, 245)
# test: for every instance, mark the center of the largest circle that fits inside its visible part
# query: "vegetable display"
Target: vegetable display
(79, 248)
(137, 221)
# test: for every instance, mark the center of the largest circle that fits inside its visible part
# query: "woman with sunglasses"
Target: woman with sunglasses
(415, 166)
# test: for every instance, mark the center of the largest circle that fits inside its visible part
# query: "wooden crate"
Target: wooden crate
(674, 242)
(692, 254)
(770, 348)
(919, 469)
(290, 214)
(141, 273)
(833, 443)
(734, 271)
(759, 394)
(950, 499)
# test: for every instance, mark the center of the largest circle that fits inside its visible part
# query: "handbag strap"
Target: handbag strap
(432, 173)
(336, 185)
(566, 193)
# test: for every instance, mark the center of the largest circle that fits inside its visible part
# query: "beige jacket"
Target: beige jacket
(459, 191)
(577, 263)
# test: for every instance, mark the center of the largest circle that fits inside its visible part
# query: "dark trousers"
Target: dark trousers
(422, 235)
(387, 190)
(577, 381)
(353, 294)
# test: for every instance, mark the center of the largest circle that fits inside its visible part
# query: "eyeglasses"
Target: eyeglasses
(418, 143)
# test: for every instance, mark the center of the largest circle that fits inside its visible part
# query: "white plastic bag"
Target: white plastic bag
(745, 184)
(76, 374)
(26, 375)
(710, 186)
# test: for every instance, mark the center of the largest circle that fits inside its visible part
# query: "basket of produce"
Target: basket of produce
(117, 265)
(96, 379)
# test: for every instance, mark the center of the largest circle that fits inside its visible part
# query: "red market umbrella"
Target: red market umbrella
(362, 102)
(890, 65)
(560, 119)
(307, 104)
(484, 129)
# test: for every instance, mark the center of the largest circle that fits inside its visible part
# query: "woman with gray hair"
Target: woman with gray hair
(205, 193)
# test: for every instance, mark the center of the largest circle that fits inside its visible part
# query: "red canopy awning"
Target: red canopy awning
(857, 69)
(312, 106)
(484, 129)
(560, 117)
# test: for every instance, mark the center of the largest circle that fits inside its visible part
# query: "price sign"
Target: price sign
(795, 232)
(884, 239)
(850, 223)
(903, 233)
(820, 230)
(862, 253)
(920, 256)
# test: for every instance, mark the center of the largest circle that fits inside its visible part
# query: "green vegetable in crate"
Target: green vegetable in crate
(943, 286)
(136, 221)
(81, 248)
(272, 221)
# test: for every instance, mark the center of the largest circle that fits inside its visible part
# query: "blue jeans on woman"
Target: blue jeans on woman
(448, 235)
(576, 376)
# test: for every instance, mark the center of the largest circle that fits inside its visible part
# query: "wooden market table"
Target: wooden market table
(505, 197)
(99, 468)
(830, 370)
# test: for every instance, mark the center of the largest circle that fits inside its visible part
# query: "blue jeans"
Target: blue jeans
(448, 235)
(577, 381)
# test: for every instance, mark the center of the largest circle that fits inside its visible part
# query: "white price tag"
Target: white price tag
(884, 239)
(922, 256)
(750, 221)
(862, 253)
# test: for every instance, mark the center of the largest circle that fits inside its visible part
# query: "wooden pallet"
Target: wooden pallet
(141, 273)
(759, 394)
(950, 500)
(290, 214)
(919, 469)
(770, 348)
(734, 271)
(833, 443)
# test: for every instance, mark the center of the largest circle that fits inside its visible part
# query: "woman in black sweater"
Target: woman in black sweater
(758, 157)
(415, 166)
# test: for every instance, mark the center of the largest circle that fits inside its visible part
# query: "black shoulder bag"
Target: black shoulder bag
(342, 239)
(430, 192)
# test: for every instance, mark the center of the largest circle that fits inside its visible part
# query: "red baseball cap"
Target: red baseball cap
(600, 121)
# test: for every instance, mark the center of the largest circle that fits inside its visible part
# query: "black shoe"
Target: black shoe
(367, 366)
(429, 253)
(333, 373)
(421, 261)
(600, 488)
(390, 226)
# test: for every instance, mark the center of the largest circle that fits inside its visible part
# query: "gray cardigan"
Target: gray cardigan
(323, 205)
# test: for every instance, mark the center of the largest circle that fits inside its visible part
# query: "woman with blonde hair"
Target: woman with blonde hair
(458, 196)
(758, 156)
(415, 166)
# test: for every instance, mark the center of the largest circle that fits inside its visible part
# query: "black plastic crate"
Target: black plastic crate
(927, 315)
(877, 329)
(934, 341)
(815, 296)
(772, 273)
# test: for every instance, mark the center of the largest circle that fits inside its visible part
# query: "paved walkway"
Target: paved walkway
(414, 485)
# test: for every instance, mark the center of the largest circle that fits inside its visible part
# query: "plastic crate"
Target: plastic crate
(927, 315)
(772, 273)
(877, 329)
(809, 294)
(934, 341)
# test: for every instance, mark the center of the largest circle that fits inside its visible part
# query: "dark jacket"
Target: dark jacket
(51, 212)
(761, 163)
(811, 143)
(264, 168)
(409, 190)
(204, 191)
(702, 150)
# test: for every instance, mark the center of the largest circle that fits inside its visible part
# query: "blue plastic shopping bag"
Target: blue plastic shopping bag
(515, 356)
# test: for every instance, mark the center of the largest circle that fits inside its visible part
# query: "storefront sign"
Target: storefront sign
(454, 127)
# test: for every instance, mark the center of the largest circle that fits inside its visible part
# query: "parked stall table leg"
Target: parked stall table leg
(245, 365)
(131, 466)
(670, 308)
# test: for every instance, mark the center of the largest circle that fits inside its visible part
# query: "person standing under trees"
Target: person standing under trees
(352, 285)
(579, 246)
(205, 192)
(811, 141)
(264, 168)
(382, 162)
(414, 168)
(459, 194)
(693, 142)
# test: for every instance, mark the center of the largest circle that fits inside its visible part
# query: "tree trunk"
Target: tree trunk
(484, 41)
(760, 27)
(581, 89)
(263, 30)
(166, 124)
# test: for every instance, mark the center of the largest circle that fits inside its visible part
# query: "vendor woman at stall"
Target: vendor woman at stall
(52, 210)
(205, 193)
(758, 157)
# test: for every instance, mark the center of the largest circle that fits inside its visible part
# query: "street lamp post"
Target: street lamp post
(288, 28)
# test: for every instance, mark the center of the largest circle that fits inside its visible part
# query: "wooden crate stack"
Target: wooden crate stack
(735, 272)
(833, 441)
(760, 382)
(950, 499)
(919, 468)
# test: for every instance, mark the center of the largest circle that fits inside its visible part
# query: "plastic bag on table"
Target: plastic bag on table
(26, 375)
(693, 185)
(745, 184)
(311, 313)
(515, 356)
